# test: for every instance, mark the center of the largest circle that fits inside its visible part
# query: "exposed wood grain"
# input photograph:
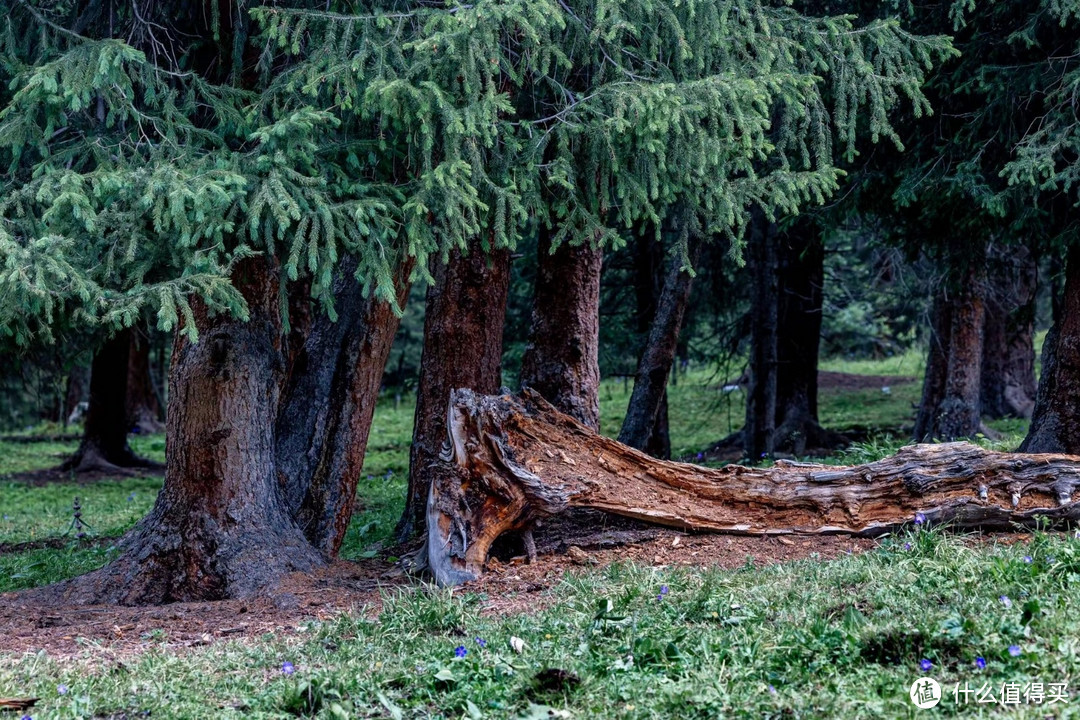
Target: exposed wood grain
(511, 460)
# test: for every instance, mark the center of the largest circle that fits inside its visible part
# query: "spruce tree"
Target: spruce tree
(201, 166)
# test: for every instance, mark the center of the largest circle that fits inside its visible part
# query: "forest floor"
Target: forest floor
(643, 622)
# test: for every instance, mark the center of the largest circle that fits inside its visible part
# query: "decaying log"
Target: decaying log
(511, 460)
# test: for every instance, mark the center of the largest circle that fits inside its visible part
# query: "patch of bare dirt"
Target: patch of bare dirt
(578, 542)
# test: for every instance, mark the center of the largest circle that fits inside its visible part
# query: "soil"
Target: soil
(584, 540)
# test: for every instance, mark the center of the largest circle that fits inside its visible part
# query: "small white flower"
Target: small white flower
(518, 644)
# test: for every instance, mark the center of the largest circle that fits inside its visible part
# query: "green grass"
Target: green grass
(809, 639)
(836, 639)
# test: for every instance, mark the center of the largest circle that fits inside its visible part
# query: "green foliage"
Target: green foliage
(142, 169)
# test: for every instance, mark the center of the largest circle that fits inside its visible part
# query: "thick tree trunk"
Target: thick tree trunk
(463, 329)
(957, 414)
(143, 409)
(328, 404)
(1008, 361)
(1055, 424)
(104, 445)
(654, 367)
(562, 361)
(761, 403)
(220, 527)
(513, 460)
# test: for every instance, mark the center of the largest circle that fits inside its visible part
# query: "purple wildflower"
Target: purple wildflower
(925, 665)
(288, 668)
(920, 518)
(980, 662)
(481, 642)
(1004, 599)
(772, 689)
(663, 592)
(26, 717)
(1027, 559)
(1014, 650)
(907, 546)
(700, 455)
(62, 689)
(460, 651)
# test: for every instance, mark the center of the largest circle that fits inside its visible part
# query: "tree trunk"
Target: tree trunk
(514, 460)
(761, 406)
(328, 404)
(220, 527)
(104, 445)
(956, 415)
(463, 329)
(1008, 361)
(143, 410)
(650, 382)
(1055, 424)
(800, 297)
(937, 365)
(562, 360)
(649, 273)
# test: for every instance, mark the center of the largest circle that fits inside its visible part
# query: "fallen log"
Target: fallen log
(511, 460)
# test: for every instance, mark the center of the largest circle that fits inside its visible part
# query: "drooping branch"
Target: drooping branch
(511, 460)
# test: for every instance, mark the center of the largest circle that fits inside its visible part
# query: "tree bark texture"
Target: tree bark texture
(463, 329)
(654, 367)
(220, 527)
(513, 460)
(144, 411)
(1008, 361)
(328, 403)
(104, 445)
(1055, 423)
(562, 360)
(649, 274)
(951, 404)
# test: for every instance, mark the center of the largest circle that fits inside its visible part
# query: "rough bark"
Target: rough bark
(1008, 361)
(513, 460)
(654, 367)
(326, 409)
(562, 360)
(463, 329)
(957, 413)
(1055, 423)
(144, 412)
(220, 527)
(104, 445)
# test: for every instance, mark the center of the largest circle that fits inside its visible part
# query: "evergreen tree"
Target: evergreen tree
(203, 165)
